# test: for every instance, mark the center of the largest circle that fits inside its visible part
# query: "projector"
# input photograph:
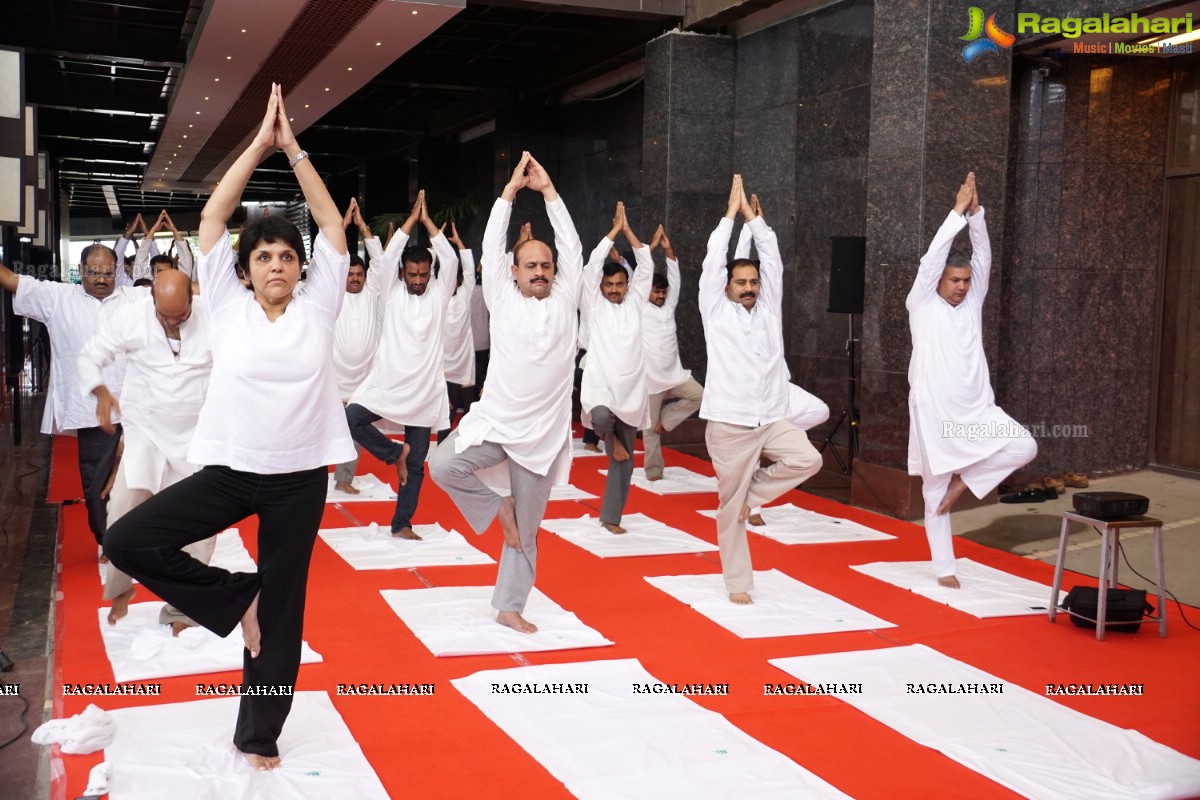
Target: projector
(1110, 505)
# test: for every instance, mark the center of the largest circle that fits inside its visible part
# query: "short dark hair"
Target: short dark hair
(356, 261)
(739, 262)
(268, 230)
(611, 268)
(162, 258)
(659, 281)
(87, 251)
(144, 282)
(958, 262)
(416, 255)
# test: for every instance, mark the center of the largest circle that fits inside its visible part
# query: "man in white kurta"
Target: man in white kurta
(164, 341)
(459, 361)
(355, 337)
(746, 394)
(666, 379)
(958, 437)
(406, 383)
(613, 390)
(73, 314)
(524, 417)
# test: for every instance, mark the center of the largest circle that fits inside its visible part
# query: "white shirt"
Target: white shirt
(355, 337)
(660, 344)
(615, 372)
(948, 373)
(407, 383)
(527, 405)
(163, 393)
(747, 380)
(72, 316)
(148, 250)
(459, 361)
(272, 404)
(480, 322)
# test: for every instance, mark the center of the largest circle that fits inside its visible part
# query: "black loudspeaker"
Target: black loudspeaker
(846, 274)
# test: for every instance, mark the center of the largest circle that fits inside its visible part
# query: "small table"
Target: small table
(1110, 533)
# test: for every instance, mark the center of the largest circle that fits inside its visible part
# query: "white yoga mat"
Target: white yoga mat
(1026, 742)
(985, 591)
(612, 743)
(139, 648)
(790, 524)
(675, 480)
(370, 490)
(559, 491)
(579, 451)
(644, 537)
(229, 554)
(783, 606)
(460, 621)
(185, 750)
(374, 547)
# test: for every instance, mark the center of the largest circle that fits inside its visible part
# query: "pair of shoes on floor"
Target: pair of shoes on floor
(1051, 482)
(1076, 480)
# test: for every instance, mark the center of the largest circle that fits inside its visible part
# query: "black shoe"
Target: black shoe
(1027, 496)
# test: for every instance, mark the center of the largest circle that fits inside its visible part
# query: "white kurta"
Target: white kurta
(407, 384)
(527, 405)
(660, 342)
(163, 394)
(72, 316)
(148, 250)
(948, 378)
(747, 381)
(459, 341)
(272, 404)
(355, 337)
(615, 372)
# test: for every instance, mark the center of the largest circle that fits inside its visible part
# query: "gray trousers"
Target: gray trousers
(455, 473)
(616, 487)
(344, 473)
(688, 394)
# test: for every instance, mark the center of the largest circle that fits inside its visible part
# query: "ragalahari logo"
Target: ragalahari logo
(996, 40)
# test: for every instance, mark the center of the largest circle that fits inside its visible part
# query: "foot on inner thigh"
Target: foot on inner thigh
(261, 763)
(508, 523)
(949, 581)
(179, 627)
(619, 453)
(345, 486)
(740, 598)
(612, 528)
(659, 429)
(402, 464)
(953, 492)
(406, 533)
(252, 635)
(744, 514)
(120, 606)
(756, 520)
(514, 620)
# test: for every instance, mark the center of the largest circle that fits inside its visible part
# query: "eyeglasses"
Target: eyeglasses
(93, 274)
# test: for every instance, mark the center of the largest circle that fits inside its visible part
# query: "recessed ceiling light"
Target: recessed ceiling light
(414, 13)
(306, 105)
(291, 119)
(229, 58)
(349, 69)
(377, 44)
(327, 88)
(216, 80)
(185, 136)
(190, 125)
(198, 111)
(243, 30)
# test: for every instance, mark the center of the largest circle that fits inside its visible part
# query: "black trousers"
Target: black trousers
(97, 451)
(146, 544)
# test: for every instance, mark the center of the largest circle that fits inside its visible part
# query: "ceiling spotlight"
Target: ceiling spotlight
(216, 80)
(327, 88)
(306, 105)
(377, 44)
(206, 97)
(198, 111)
(229, 58)
(190, 125)
(349, 69)
(414, 13)
(185, 136)
(243, 30)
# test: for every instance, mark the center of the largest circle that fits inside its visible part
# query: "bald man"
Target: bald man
(163, 339)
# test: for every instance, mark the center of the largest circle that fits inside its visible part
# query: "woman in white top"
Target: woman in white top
(270, 426)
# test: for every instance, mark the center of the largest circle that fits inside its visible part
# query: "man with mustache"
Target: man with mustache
(613, 390)
(407, 383)
(746, 393)
(524, 417)
(950, 390)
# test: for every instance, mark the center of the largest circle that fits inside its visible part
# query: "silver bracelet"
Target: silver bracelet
(296, 159)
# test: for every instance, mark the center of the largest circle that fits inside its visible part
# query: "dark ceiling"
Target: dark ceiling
(102, 73)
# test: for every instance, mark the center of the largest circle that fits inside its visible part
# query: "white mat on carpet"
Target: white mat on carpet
(1026, 742)
(675, 480)
(560, 491)
(139, 648)
(184, 750)
(985, 592)
(578, 450)
(370, 490)
(783, 606)
(460, 621)
(374, 547)
(608, 742)
(229, 554)
(790, 524)
(645, 537)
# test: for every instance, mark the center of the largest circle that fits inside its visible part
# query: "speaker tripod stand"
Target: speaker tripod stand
(850, 411)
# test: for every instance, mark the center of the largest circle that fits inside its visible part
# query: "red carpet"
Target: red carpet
(442, 746)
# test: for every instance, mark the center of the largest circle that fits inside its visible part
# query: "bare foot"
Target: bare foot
(619, 453)
(654, 477)
(343, 486)
(406, 533)
(949, 581)
(740, 598)
(744, 514)
(756, 520)
(261, 763)
(659, 429)
(953, 492)
(103, 558)
(179, 627)
(611, 528)
(402, 464)
(252, 635)
(508, 523)
(514, 620)
(120, 606)
(591, 448)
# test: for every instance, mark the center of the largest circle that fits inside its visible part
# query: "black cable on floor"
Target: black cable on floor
(1166, 591)
(24, 724)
